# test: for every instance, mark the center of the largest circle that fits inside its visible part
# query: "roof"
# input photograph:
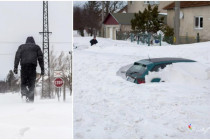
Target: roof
(166, 60)
(188, 4)
(121, 18)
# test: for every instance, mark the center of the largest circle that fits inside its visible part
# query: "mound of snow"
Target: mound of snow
(191, 73)
(76, 34)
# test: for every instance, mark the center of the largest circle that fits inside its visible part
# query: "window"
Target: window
(138, 68)
(198, 22)
(159, 67)
(156, 2)
(151, 2)
(146, 2)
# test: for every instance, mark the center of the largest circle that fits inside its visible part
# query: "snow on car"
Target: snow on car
(194, 73)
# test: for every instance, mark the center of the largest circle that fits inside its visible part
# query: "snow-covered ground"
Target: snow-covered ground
(108, 106)
(46, 118)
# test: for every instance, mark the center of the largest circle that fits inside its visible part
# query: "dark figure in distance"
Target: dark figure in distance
(93, 41)
(28, 54)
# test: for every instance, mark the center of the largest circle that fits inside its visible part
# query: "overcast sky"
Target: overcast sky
(79, 3)
(18, 20)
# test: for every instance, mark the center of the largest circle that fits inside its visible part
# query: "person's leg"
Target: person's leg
(31, 82)
(24, 80)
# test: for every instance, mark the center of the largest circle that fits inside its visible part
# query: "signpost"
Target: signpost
(58, 83)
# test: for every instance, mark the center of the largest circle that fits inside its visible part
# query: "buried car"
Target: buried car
(137, 72)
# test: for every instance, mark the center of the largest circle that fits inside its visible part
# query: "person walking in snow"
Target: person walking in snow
(27, 55)
(93, 41)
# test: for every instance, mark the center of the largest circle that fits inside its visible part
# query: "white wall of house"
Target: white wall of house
(135, 6)
(111, 31)
(187, 23)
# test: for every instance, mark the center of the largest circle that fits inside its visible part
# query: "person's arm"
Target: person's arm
(17, 60)
(40, 60)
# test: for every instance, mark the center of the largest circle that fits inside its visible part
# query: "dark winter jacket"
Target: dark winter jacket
(93, 41)
(29, 53)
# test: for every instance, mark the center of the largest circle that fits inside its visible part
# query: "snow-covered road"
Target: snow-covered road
(107, 106)
(42, 119)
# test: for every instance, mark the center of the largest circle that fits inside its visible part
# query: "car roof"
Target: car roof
(164, 60)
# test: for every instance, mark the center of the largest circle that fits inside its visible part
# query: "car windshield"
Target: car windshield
(138, 68)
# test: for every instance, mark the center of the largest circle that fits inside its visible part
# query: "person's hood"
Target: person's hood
(30, 39)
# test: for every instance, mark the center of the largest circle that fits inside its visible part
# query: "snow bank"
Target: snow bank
(42, 119)
(76, 34)
(184, 73)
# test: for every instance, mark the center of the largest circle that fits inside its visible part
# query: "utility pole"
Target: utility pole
(70, 72)
(102, 14)
(177, 21)
(46, 82)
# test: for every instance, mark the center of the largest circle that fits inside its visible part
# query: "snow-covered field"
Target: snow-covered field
(108, 106)
(42, 119)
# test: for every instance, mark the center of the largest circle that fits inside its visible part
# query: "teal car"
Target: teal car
(137, 72)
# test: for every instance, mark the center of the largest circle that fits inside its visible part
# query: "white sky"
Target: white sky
(18, 20)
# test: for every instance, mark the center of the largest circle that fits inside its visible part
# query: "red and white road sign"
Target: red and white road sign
(58, 82)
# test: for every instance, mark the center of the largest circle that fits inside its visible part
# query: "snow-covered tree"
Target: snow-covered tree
(12, 84)
(147, 21)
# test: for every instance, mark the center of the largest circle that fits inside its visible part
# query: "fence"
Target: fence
(154, 39)
(140, 38)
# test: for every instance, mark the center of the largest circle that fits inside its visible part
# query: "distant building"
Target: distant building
(117, 22)
(194, 18)
(123, 10)
(136, 6)
(121, 21)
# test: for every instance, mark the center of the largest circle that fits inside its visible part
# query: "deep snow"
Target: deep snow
(46, 118)
(108, 106)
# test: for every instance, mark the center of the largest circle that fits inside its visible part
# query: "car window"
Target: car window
(140, 68)
(155, 68)
(159, 67)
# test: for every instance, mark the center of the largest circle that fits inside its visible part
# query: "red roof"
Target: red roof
(187, 4)
(110, 20)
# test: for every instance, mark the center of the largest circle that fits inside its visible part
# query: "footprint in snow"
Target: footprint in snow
(23, 130)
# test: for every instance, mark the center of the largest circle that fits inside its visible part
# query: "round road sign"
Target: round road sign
(58, 82)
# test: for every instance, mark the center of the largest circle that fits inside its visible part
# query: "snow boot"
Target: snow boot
(31, 96)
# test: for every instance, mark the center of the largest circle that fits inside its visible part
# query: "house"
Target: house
(117, 22)
(194, 18)
(136, 6)
(123, 10)
(121, 21)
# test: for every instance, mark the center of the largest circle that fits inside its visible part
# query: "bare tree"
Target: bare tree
(89, 16)
(92, 16)
(113, 6)
(62, 62)
(78, 20)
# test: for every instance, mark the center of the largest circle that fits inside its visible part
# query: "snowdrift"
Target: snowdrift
(184, 73)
